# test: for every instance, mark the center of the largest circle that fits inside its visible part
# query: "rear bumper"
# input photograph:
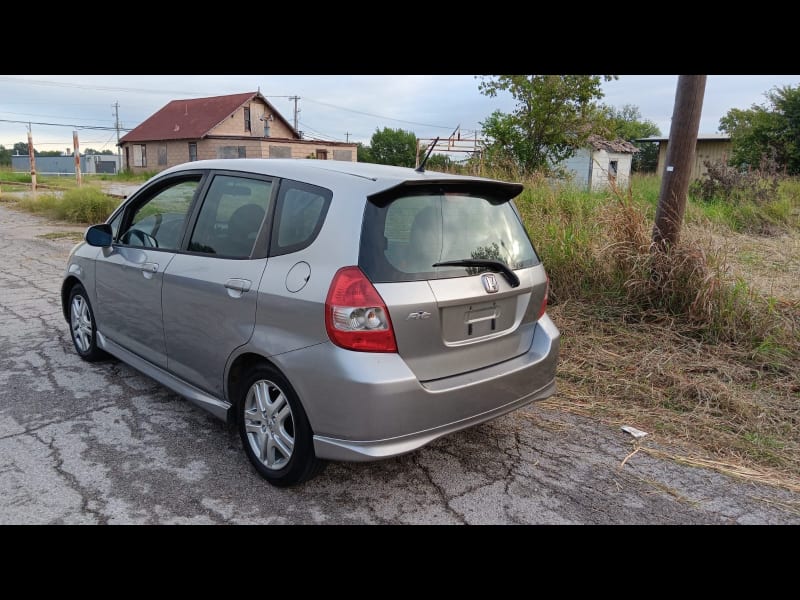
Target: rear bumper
(365, 406)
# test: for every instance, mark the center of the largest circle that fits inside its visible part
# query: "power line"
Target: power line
(361, 112)
(96, 127)
(330, 138)
(107, 88)
(101, 88)
(6, 112)
(163, 91)
(82, 142)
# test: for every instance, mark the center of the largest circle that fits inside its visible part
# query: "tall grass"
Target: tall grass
(597, 249)
(759, 202)
(86, 205)
(7, 175)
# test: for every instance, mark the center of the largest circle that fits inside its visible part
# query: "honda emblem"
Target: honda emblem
(490, 283)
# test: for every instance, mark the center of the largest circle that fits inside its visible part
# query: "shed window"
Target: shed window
(162, 155)
(247, 119)
(192, 151)
(612, 168)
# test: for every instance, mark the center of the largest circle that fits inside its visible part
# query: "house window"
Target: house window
(162, 155)
(322, 154)
(280, 152)
(612, 169)
(232, 152)
(139, 155)
(343, 155)
(192, 151)
(247, 119)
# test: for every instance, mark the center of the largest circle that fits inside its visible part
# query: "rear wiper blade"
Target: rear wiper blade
(492, 265)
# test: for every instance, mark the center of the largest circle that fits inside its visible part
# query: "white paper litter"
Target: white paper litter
(637, 433)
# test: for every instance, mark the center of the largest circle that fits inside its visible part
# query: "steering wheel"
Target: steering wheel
(146, 240)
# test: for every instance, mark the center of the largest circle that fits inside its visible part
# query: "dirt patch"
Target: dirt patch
(770, 264)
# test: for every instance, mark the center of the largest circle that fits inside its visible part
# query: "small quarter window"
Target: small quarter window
(300, 213)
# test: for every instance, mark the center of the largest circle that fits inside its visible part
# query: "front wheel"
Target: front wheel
(82, 325)
(275, 432)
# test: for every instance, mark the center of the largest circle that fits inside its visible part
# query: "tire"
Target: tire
(82, 326)
(274, 428)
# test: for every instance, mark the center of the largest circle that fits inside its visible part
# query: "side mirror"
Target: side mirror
(99, 235)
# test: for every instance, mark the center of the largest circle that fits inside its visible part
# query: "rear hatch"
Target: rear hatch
(481, 307)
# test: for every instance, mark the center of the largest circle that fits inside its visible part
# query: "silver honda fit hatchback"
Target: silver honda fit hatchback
(331, 310)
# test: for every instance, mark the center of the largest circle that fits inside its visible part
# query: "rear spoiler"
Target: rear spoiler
(496, 192)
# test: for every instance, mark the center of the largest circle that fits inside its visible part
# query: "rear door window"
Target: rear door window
(403, 239)
(230, 219)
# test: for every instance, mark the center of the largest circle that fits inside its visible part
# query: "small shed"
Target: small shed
(601, 162)
(712, 147)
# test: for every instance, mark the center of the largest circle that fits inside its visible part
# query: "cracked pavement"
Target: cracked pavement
(101, 443)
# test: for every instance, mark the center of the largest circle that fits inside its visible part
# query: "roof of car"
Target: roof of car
(365, 178)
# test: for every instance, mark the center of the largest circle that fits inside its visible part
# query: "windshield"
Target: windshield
(403, 239)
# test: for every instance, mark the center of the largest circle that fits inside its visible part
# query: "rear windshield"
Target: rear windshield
(401, 240)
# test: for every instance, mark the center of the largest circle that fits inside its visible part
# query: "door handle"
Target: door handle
(238, 285)
(148, 269)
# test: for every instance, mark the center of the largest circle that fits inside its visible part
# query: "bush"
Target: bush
(756, 201)
(723, 182)
(86, 205)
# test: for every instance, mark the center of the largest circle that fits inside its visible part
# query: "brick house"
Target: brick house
(234, 126)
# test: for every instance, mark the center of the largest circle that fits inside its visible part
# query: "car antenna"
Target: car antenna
(421, 167)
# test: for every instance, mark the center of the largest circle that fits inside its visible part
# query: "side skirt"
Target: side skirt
(218, 408)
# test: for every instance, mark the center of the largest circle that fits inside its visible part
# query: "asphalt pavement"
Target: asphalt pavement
(101, 443)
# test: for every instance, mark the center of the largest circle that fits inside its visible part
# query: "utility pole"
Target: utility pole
(119, 150)
(347, 136)
(77, 152)
(295, 98)
(32, 157)
(680, 158)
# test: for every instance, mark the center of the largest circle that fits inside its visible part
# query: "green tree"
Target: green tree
(554, 115)
(437, 162)
(5, 156)
(21, 148)
(627, 123)
(93, 151)
(363, 153)
(770, 130)
(393, 147)
(47, 152)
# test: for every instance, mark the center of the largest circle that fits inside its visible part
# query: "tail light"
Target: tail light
(543, 307)
(355, 315)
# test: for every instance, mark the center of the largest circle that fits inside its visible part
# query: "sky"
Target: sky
(332, 107)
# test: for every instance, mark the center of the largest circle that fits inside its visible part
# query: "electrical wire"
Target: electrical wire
(361, 112)
(96, 127)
